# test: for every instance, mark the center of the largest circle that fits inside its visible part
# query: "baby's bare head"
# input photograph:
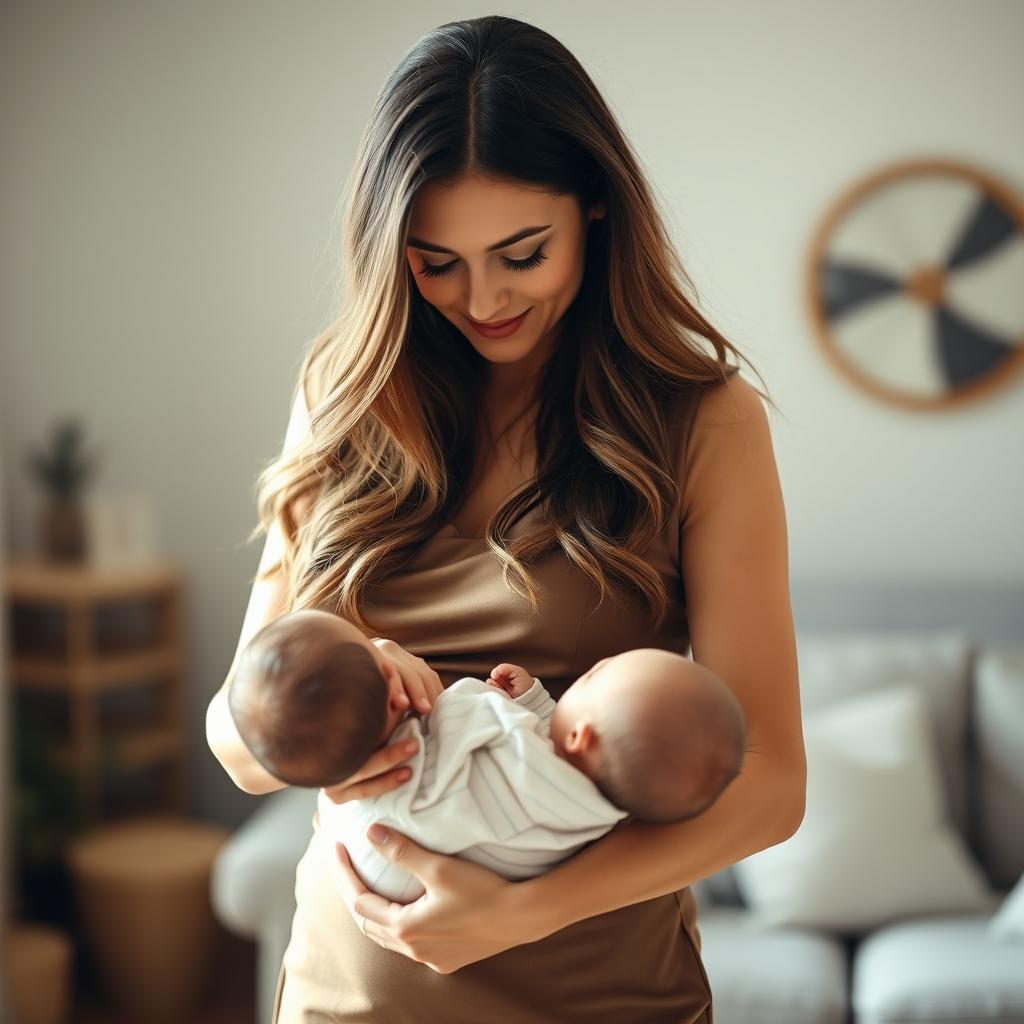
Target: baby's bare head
(667, 735)
(308, 698)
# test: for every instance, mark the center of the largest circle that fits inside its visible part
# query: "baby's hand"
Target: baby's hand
(513, 679)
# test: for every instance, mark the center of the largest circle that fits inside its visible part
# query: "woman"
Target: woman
(589, 480)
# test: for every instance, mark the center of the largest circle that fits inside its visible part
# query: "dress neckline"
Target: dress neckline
(451, 532)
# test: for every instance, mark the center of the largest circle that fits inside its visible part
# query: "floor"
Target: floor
(232, 1003)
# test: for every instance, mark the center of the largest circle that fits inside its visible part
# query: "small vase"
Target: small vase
(62, 528)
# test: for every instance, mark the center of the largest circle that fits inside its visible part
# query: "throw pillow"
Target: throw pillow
(1008, 921)
(875, 844)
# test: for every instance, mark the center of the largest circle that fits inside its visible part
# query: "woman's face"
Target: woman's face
(487, 250)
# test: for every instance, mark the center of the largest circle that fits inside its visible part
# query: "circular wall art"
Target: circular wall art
(916, 283)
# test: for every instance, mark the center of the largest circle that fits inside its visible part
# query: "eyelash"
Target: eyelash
(532, 261)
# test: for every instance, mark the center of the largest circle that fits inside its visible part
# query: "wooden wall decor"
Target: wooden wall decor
(915, 284)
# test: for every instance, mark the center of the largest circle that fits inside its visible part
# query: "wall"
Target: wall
(171, 178)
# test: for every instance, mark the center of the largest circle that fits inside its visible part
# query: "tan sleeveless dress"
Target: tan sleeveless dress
(639, 964)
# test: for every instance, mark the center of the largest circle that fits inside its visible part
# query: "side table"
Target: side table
(143, 892)
(39, 971)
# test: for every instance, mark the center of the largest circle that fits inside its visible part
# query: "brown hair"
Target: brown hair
(311, 714)
(395, 385)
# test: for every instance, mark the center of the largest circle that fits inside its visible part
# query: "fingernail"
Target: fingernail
(377, 834)
(425, 704)
(403, 700)
(410, 747)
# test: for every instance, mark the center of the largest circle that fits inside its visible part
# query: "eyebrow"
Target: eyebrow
(418, 243)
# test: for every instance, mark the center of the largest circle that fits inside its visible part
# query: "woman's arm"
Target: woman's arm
(266, 603)
(409, 677)
(227, 746)
(639, 860)
(735, 567)
(734, 563)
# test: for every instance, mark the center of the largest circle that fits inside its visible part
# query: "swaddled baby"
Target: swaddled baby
(503, 775)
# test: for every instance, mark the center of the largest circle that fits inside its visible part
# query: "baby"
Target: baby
(503, 775)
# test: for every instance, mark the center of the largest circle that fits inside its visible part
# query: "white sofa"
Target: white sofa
(964, 647)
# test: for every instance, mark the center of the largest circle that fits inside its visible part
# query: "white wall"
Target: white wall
(171, 173)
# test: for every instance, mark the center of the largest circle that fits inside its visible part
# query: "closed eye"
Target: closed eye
(535, 259)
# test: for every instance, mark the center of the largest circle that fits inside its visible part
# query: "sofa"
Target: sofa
(849, 953)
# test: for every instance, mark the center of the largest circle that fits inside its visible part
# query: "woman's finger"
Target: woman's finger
(379, 784)
(347, 880)
(400, 849)
(434, 685)
(384, 758)
(362, 901)
(409, 673)
(418, 695)
(374, 777)
(427, 686)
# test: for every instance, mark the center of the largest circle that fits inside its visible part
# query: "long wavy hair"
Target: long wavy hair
(392, 386)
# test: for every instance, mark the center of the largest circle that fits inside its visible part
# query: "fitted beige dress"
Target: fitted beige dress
(639, 964)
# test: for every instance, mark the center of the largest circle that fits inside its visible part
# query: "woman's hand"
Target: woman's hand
(381, 771)
(409, 678)
(467, 913)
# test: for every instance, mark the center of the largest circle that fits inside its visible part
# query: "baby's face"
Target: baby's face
(574, 720)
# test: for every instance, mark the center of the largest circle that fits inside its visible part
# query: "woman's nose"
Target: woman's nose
(486, 300)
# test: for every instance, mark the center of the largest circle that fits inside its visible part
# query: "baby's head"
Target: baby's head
(312, 698)
(661, 736)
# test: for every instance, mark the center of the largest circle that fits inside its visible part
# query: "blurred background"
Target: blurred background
(844, 184)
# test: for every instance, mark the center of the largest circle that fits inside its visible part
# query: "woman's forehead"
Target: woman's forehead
(476, 213)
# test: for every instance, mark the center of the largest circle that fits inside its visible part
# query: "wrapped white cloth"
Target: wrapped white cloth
(486, 784)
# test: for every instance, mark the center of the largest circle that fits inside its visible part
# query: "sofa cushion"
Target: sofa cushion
(834, 666)
(999, 729)
(874, 844)
(721, 889)
(947, 969)
(1007, 924)
(780, 976)
(255, 871)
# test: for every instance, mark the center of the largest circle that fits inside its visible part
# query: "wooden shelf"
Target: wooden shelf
(31, 580)
(106, 672)
(135, 748)
(89, 636)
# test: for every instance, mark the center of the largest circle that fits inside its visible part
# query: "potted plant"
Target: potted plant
(63, 470)
(47, 810)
